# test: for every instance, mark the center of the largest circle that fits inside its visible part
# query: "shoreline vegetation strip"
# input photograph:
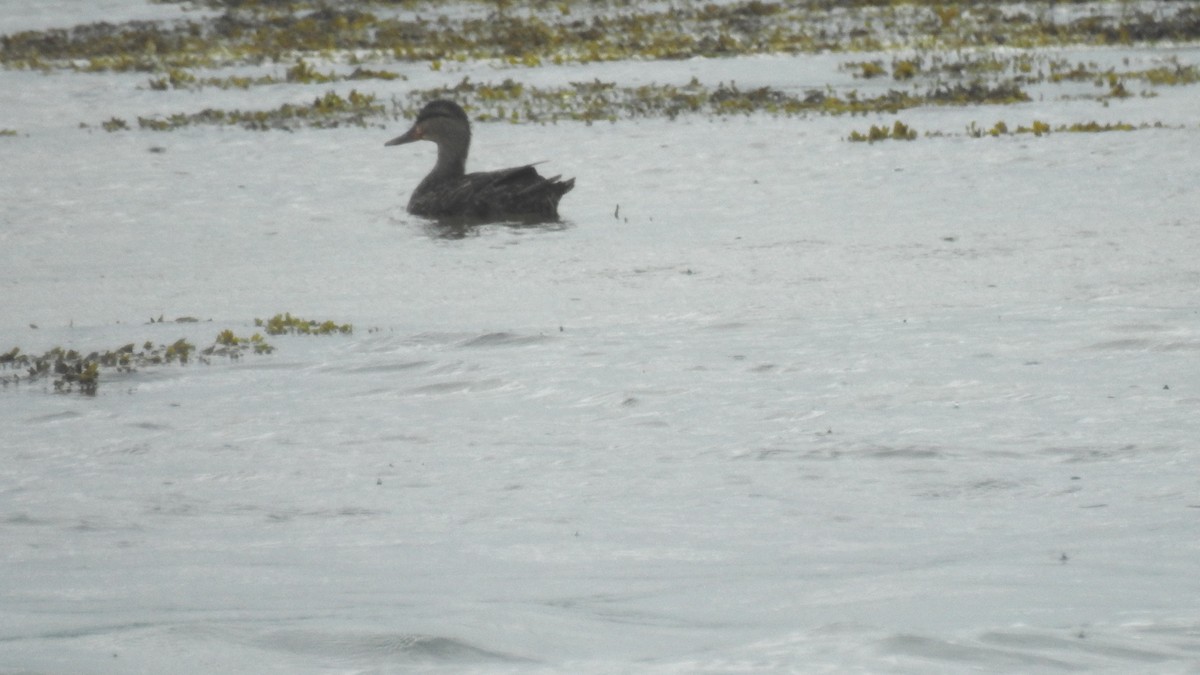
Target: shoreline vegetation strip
(959, 53)
(534, 33)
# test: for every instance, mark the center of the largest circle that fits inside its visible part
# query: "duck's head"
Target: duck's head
(439, 121)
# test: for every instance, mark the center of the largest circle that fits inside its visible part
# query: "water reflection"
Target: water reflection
(463, 227)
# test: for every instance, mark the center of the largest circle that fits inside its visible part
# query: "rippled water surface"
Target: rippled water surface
(797, 404)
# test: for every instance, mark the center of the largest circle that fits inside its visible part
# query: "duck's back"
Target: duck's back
(516, 193)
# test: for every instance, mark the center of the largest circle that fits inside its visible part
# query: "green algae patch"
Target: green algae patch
(1020, 69)
(327, 111)
(286, 324)
(534, 32)
(899, 131)
(231, 38)
(229, 344)
(69, 370)
(300, 73)
(865, 69)
(607, 101)
(1172, 73)
(72, 371)
(1095, 127)
(513, 101)
(942, 54)
(1039, 128)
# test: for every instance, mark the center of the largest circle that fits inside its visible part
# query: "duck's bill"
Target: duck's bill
(413, 134)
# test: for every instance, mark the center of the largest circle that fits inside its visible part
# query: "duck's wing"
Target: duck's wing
(519, 192)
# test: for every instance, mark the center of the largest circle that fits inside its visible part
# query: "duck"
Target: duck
(449, 192)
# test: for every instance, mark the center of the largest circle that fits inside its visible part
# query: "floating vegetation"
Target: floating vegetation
(1173, 73)
(586, 102)
(866, 69)
(328, 111)
(1096, 127)
(905, 69)
(899, 131)
(282, 324)
(72, 371)
(228, 344)
(1021, 68)
(943, 54)
(8, 132)
(599, 101)
(231, 38)
(536, 31)
(998, 129)
(301, 73)
(1040, 128)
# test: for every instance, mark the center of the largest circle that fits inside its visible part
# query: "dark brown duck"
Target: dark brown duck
(519, 193)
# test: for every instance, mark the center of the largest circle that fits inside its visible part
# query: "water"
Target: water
(801, 405)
